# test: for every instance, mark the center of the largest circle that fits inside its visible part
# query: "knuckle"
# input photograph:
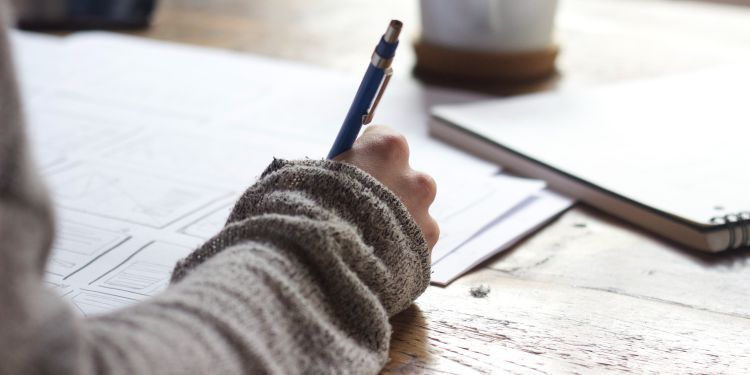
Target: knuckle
(425, 185)
(431, 231)
(393, 146)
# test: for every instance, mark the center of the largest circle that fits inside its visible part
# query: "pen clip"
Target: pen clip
(367, 117)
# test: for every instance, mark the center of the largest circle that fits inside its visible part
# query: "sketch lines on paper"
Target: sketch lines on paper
(145, 272)
(77, 245)
(135, 198)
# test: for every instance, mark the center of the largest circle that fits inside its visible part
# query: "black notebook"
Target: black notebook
(671, 155)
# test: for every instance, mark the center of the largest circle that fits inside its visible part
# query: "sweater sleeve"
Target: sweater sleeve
(313, 260)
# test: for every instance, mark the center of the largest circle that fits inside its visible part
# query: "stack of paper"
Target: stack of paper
(483, 218)
(146, 145)
(517, 218)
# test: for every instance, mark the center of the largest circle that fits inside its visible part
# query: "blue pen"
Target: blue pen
(370, 90)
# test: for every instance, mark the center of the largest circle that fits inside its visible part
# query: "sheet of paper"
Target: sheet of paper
(34, 56)
(466, 207)
(250, 96)
(145, 146)
(506, 231)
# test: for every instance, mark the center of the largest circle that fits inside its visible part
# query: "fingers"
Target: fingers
(417, 191)
(430, 230)
(381, 152)
(384, 153)
(425, 185)
(381, 142)
(385, 144)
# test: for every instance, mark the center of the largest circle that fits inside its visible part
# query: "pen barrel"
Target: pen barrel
(368, 90)
(360, 105)
(385, 49)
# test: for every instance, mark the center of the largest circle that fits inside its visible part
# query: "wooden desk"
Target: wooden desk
(588, 293)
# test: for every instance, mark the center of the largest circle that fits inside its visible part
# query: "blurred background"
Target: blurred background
(601, 41)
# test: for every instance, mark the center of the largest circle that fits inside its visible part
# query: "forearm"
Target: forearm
(315, 258)
(344, 204)
(250, 309)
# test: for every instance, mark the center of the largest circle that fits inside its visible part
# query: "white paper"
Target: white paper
(467, 207)
(675, 144)
(506, 231)
(145, 146)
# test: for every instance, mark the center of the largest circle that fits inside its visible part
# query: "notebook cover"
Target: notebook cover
(677, 145)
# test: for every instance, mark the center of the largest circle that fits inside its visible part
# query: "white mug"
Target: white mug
(489, 25)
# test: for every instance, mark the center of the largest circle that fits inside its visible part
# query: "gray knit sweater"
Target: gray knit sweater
(313, 260)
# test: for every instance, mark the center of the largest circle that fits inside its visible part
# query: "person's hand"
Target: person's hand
(384, 154)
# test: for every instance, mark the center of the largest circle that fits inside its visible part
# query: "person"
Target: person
(314, 259)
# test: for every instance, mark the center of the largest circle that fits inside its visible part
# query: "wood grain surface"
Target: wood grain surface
(587, 294)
